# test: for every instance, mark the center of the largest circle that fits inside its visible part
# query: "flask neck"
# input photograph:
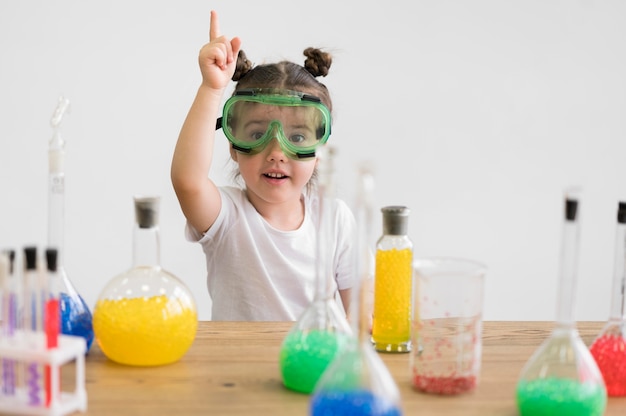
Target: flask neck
(146, 247)
(56, 214)
(323, 272)
(324, 281)
(567, 280)
(618, 298)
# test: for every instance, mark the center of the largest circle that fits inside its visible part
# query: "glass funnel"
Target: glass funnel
(561, 377)
(321, 331)
(609, 348)
(75, 315)
(357, 382)
(145, 316)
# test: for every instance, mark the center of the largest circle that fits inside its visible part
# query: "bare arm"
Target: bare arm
(198, 196)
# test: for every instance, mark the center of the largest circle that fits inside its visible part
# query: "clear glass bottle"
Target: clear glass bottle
(561, 377)
(145, 316)
(391, 331)
(76, 317)
(321, 331)
(609, 347)
(357, 382)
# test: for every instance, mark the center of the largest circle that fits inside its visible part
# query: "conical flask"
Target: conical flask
(609, 348)
(561, 377)
(76, 318)
(321, 331)
(145, 316)
(357, 382)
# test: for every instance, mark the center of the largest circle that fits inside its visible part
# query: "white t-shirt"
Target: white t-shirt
(258, 273)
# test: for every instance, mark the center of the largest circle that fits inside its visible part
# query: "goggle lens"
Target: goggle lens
(300, 125)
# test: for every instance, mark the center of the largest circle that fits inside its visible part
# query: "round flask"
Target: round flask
(357, 382)
(391, 331)
(75, 315)
(609, 348)
(321, 331)
(145, 316)
(561, 377)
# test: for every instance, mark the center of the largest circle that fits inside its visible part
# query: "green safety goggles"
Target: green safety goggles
(253, 117)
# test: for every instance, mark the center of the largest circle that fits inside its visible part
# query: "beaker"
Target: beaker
(609, 347)
(447, 325)
(357, 382)
(561, 377)
(322, 330)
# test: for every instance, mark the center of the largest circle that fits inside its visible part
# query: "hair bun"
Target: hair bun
(317, 62)
(243, 66)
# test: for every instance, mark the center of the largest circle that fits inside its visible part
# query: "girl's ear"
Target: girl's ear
(233, 155)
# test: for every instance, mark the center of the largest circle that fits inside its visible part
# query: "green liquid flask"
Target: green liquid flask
(561, 377)
(322, 330)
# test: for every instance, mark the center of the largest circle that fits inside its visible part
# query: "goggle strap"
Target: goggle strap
(218, 124)
(240, 149)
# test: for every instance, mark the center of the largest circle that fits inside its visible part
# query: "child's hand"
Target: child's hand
(218, 58)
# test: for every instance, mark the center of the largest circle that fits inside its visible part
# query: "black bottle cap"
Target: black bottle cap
(147, 211)
(51, 259)
(395, 220)
(30, 256)
(621, 212)
(571, 209)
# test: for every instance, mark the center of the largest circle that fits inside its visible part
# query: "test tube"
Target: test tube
(33, 314)
(52, 323)
(8, 319)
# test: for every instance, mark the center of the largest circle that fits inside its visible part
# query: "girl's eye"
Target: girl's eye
(256, 135)
(297, 138)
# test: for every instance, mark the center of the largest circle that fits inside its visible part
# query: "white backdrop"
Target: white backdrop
(476, 114)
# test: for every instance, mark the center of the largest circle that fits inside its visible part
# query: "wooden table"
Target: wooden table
(232, 369)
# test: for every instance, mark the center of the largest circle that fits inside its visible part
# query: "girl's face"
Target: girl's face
(273, 178)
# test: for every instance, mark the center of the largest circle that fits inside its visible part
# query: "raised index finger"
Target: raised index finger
(214, 31)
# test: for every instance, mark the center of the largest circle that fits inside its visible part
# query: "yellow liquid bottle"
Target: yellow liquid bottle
(145, 316)
(391, 330)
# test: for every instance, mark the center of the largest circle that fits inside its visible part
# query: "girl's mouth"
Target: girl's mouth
(275, 175)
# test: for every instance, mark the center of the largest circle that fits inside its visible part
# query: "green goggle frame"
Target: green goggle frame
(300, 122)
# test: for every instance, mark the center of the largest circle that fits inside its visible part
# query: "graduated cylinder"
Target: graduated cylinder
(391, 331)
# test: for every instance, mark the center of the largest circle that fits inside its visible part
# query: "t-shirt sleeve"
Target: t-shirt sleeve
(196, 236)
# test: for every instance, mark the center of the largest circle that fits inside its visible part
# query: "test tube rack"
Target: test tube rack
(28, 348)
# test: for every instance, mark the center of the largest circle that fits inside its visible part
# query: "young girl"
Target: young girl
(259, 240)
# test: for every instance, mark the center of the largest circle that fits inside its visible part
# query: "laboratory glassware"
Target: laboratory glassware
(561, 377)
(609, 347)
(393, 279)
(33, 322)
(447, 325)
(76, 317)
(322, 329)
(357, 382)
(145, 316)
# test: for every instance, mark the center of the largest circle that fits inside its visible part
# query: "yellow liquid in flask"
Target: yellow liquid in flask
(144, 331)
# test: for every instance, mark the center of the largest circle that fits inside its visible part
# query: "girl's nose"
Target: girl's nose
(274, 151)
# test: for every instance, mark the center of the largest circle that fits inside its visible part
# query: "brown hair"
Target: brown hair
(287, 75)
